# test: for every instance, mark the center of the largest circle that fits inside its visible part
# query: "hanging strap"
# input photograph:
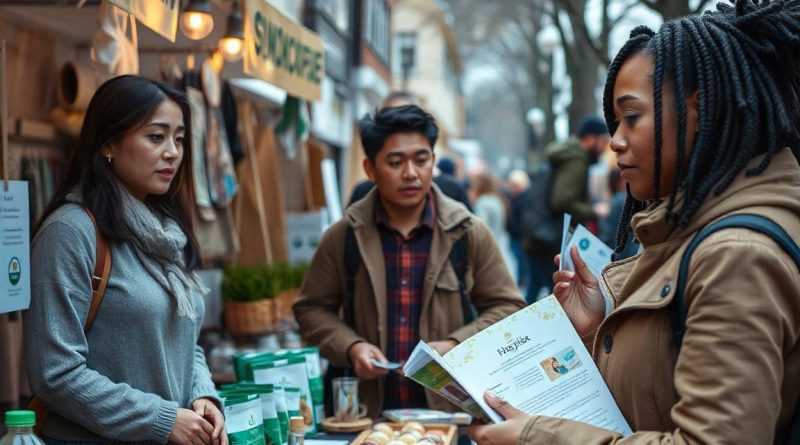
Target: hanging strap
(459, 261)
(102, 270)
(757, 223)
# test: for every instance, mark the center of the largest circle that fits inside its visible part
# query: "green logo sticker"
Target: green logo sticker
(584, 244)
(14, 271)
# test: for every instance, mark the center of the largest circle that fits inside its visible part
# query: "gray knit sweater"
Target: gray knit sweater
(140, 362)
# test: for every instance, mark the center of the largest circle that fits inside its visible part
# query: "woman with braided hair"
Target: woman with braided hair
(705, 121)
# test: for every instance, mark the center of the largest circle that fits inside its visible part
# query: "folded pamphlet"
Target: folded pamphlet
(533, 359)
(595, 253)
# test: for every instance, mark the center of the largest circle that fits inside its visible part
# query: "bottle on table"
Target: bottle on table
(20, 429)
(297, 431)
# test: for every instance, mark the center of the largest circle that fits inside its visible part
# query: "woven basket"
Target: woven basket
(251, 318)
(283, 303)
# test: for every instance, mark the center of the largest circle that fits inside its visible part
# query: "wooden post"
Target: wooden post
(3, 114)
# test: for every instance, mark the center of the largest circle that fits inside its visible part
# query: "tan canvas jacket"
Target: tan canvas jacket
(318, 309)
(737, 378)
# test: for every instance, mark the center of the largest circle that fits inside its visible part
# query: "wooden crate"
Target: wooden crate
(450, 432)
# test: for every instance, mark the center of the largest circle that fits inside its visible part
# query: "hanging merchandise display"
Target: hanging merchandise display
(221, 174)
(201, 189)
(112, 52)
(160, 16)
(292, 130)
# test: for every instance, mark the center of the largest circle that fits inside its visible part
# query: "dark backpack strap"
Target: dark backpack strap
(757, 223)
(677, 307)
(459, 261)
(352, 261)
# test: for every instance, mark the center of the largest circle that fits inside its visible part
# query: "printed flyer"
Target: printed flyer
(534, 359)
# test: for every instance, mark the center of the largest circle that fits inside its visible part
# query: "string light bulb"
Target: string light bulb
(196, 20)
(232, 43)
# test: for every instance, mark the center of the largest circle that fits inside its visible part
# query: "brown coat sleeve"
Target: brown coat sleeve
(743, 319)
(494, 293)
(317, 307)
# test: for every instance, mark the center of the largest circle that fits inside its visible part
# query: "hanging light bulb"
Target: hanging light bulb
(232, 42)
(196, 20)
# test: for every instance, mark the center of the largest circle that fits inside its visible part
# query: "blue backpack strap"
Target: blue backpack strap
(459, 261)
(757, 223)
(352, 261)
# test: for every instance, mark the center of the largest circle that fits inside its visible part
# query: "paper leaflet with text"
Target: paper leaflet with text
(533, 359)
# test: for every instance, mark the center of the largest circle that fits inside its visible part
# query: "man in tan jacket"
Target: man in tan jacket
(405, 288)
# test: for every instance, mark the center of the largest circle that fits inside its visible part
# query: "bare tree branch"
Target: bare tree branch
(625, 10)
(577, 21)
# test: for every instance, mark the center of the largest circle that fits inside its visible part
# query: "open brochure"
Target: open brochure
(594, 252)
(533, 358)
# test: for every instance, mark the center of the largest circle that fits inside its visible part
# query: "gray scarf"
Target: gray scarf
(159, 243)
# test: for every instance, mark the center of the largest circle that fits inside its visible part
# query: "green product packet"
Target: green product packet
(293, 398)
(243, 421)
(272, 428)
(243, 364)
(289, 372)
(283, 414)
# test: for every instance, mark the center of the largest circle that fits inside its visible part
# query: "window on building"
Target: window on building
(377, 29)
(405, 54)
(337, 11)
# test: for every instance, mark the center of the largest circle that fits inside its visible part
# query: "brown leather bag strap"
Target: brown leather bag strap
(102, 270)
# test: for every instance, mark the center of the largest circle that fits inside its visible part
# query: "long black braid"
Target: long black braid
(743, 62)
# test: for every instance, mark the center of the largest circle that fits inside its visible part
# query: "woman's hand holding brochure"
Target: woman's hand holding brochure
(507, 432)
(579, 295)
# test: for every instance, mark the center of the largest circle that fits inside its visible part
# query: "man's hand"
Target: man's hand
(504, 433)
(207, 409)
(444, 346)
(191, 429)
(361, 355)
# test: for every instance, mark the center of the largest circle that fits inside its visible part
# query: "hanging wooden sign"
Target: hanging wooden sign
(281, 52)
(159, 15)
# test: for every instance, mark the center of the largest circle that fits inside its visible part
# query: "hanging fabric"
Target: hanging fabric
(113, 53)
(201, 188)
(221, 175)
(292, 130)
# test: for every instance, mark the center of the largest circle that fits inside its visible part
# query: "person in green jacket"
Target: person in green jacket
(570, 161)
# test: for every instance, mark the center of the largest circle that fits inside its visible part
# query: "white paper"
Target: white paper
(386, 365)
(533, 359)
(566, 233)
(15, 247)
(595, 253)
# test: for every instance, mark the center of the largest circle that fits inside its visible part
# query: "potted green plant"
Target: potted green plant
(248, 296)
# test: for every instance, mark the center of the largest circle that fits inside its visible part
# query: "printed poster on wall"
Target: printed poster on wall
(281, 52)
(15, 247)
(159, 15)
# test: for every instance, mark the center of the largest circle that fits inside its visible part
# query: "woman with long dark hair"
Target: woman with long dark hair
(705, 121)
(138, 374)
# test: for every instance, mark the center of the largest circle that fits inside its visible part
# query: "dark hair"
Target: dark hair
(119, 106)
(741, 60)
(592, 125)
(447, 166)
(391, 120)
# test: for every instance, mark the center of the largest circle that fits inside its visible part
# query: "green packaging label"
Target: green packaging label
(243, 421)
